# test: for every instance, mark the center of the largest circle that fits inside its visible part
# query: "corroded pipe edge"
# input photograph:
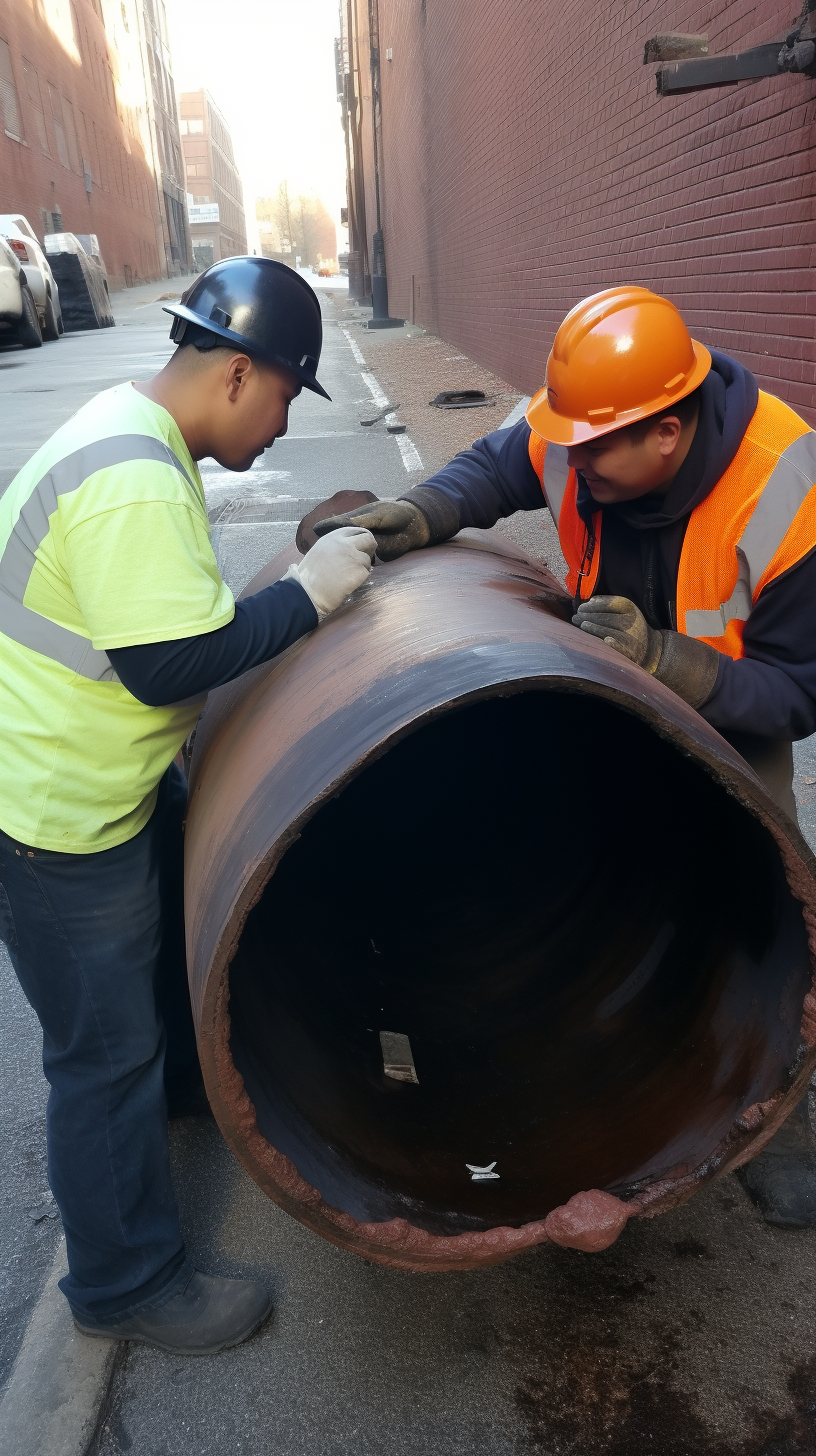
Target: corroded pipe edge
(591, 1220)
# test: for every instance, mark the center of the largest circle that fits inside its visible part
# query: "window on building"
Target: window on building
(101, 157)
(195, 128)
(76, 31)
(71, 136)
(59, 127)
(9, 101)
(35, 97)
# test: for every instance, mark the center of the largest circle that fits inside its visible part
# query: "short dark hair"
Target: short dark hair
(685, 410)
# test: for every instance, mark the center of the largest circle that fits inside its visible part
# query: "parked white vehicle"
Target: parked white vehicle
(19, 323)
(24, 243)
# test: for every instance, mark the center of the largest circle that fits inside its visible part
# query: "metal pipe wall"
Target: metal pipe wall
(602, 978)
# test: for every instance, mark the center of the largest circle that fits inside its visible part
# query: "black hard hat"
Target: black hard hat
(261, 306)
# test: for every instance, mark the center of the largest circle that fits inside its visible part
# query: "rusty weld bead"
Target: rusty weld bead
(492, 940)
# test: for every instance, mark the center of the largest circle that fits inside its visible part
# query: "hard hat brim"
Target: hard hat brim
(558, 429)
(308, 380)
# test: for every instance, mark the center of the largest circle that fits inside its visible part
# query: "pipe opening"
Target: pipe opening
(589, 948)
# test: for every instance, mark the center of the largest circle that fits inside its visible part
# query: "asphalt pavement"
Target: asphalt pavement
(693, 1336)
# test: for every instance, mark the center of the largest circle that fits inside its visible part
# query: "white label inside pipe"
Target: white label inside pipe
(398, 1059)
(480, 1174)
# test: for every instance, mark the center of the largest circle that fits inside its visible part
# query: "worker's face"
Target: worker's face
(251, 410)
(618, 467)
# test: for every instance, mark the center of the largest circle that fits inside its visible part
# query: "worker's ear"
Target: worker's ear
(669, 430)
(238, 370)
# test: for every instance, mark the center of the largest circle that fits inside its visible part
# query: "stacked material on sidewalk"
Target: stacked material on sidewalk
(83, 295)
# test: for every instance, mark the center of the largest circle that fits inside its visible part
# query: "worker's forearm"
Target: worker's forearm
(494, 478)
(755, 697)
(771, 691)
(158, 673)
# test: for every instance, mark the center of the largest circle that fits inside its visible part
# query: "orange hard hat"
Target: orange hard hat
(618, 356)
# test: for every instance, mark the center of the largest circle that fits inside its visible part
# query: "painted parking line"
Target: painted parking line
(411, 458)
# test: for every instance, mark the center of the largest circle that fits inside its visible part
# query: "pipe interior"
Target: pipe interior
(590, 946)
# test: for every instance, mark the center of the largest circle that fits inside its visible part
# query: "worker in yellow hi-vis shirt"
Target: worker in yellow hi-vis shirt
(114, 624)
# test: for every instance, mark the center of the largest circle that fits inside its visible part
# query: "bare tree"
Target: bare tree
(283, 210)
(299, 226)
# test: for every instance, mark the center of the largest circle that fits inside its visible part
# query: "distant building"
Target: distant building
(77, 150)
(214, 191)
(168, 163)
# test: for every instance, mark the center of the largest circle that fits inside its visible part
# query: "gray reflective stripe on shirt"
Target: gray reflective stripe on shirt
(787, 486)
(21, 623)
(555, 473)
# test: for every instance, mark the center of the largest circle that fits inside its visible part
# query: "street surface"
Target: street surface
(693, 1336)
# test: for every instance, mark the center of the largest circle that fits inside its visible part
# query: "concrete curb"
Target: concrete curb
(515, 414)
(59, 1380)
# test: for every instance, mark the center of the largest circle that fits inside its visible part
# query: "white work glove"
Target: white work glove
(335, 566)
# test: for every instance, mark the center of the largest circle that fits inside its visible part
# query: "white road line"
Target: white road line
(355, 349)
(411, 457)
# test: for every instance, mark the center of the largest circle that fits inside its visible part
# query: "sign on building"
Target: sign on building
(203, 212)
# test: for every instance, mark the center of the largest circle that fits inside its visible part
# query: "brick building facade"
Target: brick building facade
(524, 161)
(80, 150)
(165, 136)
(214, 190)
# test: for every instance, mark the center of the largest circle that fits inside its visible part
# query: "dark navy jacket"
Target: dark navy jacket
(771, 691)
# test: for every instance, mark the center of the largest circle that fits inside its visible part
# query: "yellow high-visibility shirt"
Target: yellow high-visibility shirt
(104, 542)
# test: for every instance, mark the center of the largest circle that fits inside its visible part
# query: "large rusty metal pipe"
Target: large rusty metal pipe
(578, 920)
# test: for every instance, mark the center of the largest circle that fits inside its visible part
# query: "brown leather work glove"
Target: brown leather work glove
(685, 665)
(423, 517)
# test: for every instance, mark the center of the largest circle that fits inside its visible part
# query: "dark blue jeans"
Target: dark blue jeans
(97, 942)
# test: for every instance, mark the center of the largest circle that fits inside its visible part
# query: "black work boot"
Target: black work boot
(782, 1178)
(210, 1314)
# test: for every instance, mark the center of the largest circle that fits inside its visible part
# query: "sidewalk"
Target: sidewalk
(413, 367)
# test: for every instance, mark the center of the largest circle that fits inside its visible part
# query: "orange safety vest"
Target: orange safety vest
(757, 522)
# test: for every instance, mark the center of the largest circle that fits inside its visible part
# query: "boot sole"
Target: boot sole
(239, 1339)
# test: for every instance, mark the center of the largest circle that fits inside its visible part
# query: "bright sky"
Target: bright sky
(269, 66)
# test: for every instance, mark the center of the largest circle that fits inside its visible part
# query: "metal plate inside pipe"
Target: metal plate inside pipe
(398, 1060)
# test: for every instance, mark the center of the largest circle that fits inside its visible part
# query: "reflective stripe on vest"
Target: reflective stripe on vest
(554, 478)
(560, 486)
(757, 522)
(21, 623)
(785, 491)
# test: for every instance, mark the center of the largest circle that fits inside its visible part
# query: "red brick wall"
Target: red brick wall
(528, 162)
(122, 208)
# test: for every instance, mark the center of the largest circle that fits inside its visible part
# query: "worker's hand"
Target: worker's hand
(335, 567)
(397, 526)
(690, 668)
(620, 624)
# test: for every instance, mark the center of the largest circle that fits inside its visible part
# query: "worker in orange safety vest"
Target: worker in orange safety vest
(685, 501)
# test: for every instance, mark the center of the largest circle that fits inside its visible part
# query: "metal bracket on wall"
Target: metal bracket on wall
(797, 54)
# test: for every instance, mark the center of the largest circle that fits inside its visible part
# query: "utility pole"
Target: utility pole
(379, 278)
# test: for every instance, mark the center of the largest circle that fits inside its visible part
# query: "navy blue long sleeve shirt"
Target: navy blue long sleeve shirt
(771, 691)
(158, 673)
